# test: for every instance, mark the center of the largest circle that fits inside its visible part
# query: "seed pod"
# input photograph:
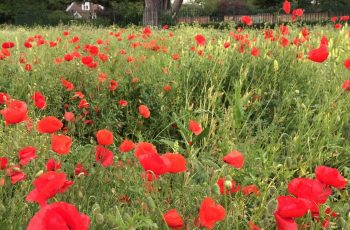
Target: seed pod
(271, 207)
(2, 209)
(228, 185)
(96, 209)
(99, 218)
(150, 203)
(216, 189)
(272, 190)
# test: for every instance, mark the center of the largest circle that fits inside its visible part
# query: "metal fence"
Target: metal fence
(113, 17)
(270, 18)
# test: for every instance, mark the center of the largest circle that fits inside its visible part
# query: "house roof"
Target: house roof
(74, 3)
(70, 6)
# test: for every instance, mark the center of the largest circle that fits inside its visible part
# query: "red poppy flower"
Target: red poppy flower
(27, 154)
(255, 52)
(297, 13)
(167, 88)
(86, 60)
(126, 146)
(144, 111)
(224, 190)
(104, 156)
(79, 169)
(8, 45)
(173, 219)
(247, 20)
(15, 112)
(200, 39)
(93, 50)
(67, 84)
(346, 65)
(334, 19)
(51, 165)
(69, 116)
(49, 124)
(176, 57)
(235, 158)
(337, 26)
(15, 173)
(284, 42)
(247, 190)
(149, 158)
(39, 100)
(68, 57)
(3, 162)
(210, 213)
(104, 137)
(175, 162)
(330, 176)
(346, 85)
(285, 223)
(344, 18)
(83, 104)
(113, 85)
(59, 215)
(286, 7)
(284, 30)
(47, 186)
(4, 98)
(122, 103)
(195, 127)
(253, 226)
(312, 190)
(227, 45)
(61, 144)
(319, 55)
(290, 207)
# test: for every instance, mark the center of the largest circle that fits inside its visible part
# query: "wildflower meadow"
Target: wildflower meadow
(178, 127)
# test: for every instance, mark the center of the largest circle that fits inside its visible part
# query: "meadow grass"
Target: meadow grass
(287, 115)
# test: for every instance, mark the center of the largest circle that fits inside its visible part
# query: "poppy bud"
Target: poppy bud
(345, 208)
(2, 209)
(289, 162)
(110, 219)
(39, 173)
(96, 209)
(228, 185)
(99, 218)
(273, 190)
(271, 207)
(275, 65)
(216, 189)
(342, 223)
(150, 203)
(228, 177)
(80, 194)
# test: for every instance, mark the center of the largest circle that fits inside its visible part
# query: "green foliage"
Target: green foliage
(286, 115)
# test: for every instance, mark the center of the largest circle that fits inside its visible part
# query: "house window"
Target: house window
(93, 16)
(85, 6)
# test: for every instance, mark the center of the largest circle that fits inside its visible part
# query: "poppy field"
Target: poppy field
(175, 128)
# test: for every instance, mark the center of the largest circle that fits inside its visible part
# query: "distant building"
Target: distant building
(86, 10)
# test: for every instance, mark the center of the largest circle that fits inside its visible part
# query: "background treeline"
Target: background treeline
(123, 12)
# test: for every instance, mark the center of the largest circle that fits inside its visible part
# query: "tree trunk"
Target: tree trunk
(154, 9)
(176, 7)
(151, 14)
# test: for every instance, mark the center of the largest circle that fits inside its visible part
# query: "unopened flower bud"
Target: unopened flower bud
(228, 185)
(99, 218)
(216, 189)
(96, 209)
(150, 203)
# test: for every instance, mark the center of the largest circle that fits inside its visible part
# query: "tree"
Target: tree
(266, 4)
(156, 9)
